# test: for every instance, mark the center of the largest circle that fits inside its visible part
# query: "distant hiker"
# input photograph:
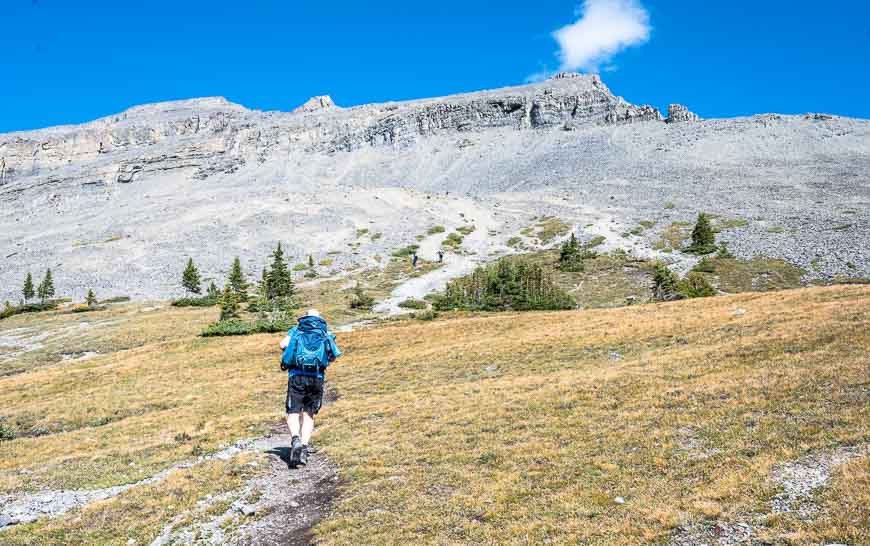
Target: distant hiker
(414, 260)
(308, 349)
(440, 256)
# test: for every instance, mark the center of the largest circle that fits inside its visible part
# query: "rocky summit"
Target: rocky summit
(118, 204)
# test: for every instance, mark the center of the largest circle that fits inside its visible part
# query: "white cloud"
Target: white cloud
(604, 28)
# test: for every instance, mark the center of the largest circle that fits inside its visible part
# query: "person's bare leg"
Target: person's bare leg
(293, 424)
(307, 427)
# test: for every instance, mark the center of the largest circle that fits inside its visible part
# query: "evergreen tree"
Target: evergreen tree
(229, 303)
(279, 284)
(237, 280)
(91, 299)
(190, 278)
(310, 261)
(665, 283)
(571, 255)
(28, 288)
(45, 290)
(703, 238)
(212, 291)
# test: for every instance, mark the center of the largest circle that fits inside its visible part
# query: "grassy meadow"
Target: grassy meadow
(484, 428)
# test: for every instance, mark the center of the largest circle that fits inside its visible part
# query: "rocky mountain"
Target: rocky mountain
(119, 203)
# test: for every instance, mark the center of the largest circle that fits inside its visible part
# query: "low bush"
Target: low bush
(244, 328)
(695, 285)
(6, 433)
(425, 315)
(361, 300)
(413, 304)
(12, 310)
(509, 283)
(706, 265)
(406, 251)
(205, 301)
(300, 267)
(116, 299)
(436, 229)
(88, 308)
(466, 230)
(454, 240)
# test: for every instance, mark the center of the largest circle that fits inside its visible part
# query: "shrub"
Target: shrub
(91, 299)
(413, 304)
(10, 310)
(361, 232)
(695, 285)
(665, 283)
(425, 315)
(436, 229)
(88, 308)
(377, 236)
(244, 328)
(507, 284)
(361, 300)
(454, 240)
(6, 433)
(204, 301)
(514, 241)
(406, 251)
(326, 262)
(310, 274)
(596, 241)
(703, 238)
(117, 299)
(466, 230)
(723, 251)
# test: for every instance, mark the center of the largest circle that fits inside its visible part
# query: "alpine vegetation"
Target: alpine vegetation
(190, 278)
(508, 284)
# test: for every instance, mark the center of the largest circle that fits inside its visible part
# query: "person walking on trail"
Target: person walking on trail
(308, 349)
(440, 256)
(414, 260)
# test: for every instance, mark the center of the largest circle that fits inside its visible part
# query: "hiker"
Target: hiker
(308, 349)
(440, 256)
(414, 260)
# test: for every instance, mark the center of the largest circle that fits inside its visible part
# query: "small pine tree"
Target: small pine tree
(665, 283)
(695, 285)
(212, 291)
(571, 255)
(229, 303)
(237, 280)
(310, 261)
(28, 288)
(45, 290)
(279, 283)
(91, 299)
(703, 238)
(190, 278)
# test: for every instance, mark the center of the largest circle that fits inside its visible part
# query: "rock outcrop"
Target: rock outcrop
(677, 113)
(315, 104)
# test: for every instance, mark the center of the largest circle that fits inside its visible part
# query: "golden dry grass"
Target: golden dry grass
(506, 428)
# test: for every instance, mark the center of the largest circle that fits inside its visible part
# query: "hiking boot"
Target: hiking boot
(303, 455)
(296, 450)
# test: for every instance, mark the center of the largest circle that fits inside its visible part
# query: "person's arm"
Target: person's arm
(334, 351)
(286, 341)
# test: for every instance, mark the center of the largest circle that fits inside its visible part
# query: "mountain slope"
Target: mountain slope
(117, 204)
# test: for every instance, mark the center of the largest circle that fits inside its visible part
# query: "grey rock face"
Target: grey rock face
(677, 113)
(118, 204)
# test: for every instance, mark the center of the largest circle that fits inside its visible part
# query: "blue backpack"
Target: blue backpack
(308, 351)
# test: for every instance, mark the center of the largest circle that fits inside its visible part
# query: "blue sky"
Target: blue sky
(66, 61)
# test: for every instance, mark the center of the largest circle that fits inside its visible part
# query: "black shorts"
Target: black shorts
(304, 393)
